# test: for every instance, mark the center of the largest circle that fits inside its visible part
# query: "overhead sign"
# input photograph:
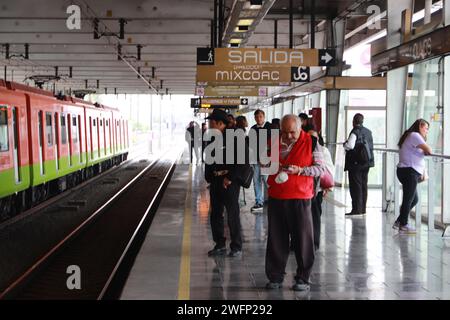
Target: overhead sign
(231, 91)
(265, 57)
(263, 66)
(422, 48)
(218, 102)
(257, 75)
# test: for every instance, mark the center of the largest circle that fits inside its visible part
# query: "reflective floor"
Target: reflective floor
(359, 258)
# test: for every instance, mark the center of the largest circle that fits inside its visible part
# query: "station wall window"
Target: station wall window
(4, 141)
(63, 130)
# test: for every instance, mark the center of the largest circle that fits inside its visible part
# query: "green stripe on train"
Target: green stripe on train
(31, 175)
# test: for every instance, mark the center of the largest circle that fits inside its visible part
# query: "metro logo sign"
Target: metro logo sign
(264, 66)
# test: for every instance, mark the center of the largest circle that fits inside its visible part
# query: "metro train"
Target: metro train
(49, 144)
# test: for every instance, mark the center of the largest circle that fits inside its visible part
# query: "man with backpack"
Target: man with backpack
(358, 160)
(226, 176)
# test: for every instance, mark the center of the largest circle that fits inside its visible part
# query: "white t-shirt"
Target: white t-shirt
(410, 155)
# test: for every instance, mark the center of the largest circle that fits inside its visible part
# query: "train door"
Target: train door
(4, 137)
(57, 142)
(80, 140)
(99, 136)
(41, 141)
(15, 127)
(69, 132)
(92, 138)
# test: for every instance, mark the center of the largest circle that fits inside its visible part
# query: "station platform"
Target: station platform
(359, 257)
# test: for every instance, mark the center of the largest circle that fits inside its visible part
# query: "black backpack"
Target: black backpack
(361, 151)
(246, 176)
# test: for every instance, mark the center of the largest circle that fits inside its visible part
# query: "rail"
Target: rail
(432, 189)
(74, 244)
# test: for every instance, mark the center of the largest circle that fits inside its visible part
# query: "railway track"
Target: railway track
(92, 262)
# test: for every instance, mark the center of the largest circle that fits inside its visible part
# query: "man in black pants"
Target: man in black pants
(358, 172)
(224, 191)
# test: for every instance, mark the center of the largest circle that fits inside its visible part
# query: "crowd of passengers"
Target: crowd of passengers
(293, 194)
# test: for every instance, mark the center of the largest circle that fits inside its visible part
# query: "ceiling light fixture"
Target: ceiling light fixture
(245, 22)
(241, 29)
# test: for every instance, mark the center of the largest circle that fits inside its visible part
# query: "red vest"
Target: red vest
(297, 187)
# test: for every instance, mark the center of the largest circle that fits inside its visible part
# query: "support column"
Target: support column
(335, 39)
(396, 91)
(151, 124)
(446, 130)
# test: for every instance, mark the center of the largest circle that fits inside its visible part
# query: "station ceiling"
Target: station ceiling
(168, 32)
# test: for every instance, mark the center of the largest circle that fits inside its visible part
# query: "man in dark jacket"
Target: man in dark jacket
(223, 176)
(358, 171)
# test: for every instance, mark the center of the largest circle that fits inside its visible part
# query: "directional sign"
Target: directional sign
(195, 103)
(327, 57)
(221, 101)
(205, 56)
(300, 74)
(231, 103)
(258, 66)
(244, 101)
(268, 57)
(231, 91)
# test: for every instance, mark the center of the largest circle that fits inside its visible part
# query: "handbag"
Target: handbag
(326, 180)
(246, 177)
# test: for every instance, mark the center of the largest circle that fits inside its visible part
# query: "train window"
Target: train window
(74, 129)
(107, 123)
(63, 130)
(48, 128)
(101, 123)
(94, 123)
(4, 141)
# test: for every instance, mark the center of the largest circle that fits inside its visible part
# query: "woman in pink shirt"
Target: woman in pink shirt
(411, 169)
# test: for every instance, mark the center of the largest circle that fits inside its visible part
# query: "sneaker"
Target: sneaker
(217, 251)
(257, 207)
(235, 253)
(353, 213)
(300, 285)
(274, 285)
(407, 229)
(396, 225)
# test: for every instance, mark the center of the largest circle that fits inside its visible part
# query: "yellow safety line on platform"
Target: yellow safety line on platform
(185, 266)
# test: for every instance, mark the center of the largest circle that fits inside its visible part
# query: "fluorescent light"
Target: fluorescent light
(241, 29)
(253, 4)
(245, 22)
(236, 41)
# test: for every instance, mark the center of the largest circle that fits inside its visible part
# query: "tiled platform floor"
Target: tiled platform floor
(360, 257)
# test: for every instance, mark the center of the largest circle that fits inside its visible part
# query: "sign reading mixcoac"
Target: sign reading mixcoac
(259, 66)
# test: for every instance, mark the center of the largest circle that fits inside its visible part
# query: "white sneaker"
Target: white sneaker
(407, 229)
(396, 225)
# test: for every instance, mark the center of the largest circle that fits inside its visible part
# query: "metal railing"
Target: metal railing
(432, 163)
(391, 186)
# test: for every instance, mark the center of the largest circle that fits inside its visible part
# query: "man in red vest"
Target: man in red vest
(289, 210)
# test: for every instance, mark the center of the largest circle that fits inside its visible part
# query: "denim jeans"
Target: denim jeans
(259, 184)
(409, 178)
